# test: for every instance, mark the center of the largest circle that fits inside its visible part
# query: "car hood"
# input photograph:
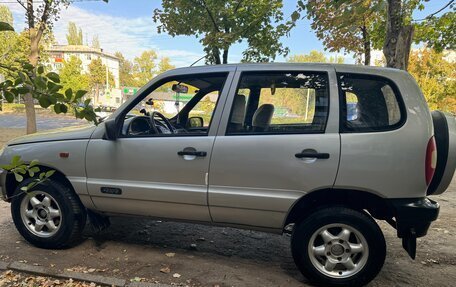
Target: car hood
(68, 133)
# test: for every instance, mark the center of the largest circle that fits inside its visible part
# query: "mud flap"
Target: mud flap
(409, 244)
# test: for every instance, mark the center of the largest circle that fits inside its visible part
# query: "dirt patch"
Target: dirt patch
(7, 134)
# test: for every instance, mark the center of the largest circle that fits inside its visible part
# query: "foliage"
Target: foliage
(144, 67)
(436, 77)
(20, 170)
(74, 36)
(438, 32)
(72, 76)
(315, 57)
(96, 42)
(220, 24)
(165, 65)
(347, 26)
(125, 71)
(45, 88)
(97, 74)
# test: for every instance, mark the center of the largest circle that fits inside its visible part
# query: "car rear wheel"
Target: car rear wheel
(338, 246)
(49, 216)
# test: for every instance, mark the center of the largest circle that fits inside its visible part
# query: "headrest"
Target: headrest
(238, 113)
(263, 116)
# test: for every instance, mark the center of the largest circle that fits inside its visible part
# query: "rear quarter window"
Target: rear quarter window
(369, 103)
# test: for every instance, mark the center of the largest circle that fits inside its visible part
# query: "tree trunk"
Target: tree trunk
(398, 37)
(225, 56)
(28, 99)
(366, 46)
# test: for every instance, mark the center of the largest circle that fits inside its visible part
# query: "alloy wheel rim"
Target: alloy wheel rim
(338, 250)
(41, 214)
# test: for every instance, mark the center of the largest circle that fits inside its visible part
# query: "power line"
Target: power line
(436, 12)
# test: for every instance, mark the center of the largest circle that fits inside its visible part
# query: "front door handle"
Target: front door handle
(191, 152)
(319, 155)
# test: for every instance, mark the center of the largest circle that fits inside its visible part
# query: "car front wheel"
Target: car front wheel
(338, 246)
(48, 216)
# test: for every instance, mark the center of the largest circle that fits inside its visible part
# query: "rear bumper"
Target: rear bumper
(414, 215)
(413, 218)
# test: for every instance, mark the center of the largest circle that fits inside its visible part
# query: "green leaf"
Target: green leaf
(57, 109)
(40, 70)
(80, 94)
(42, 175)
(69, 94)
(54, 77)
(33, 163)
(44, 101)
(16, 160)
(53, 88)
(27, 66)
(18, 177)
(9, 97)
(87, 102)
(64, 108)
(5, 27)
(23, 90)
(50, 173)
(40, 82)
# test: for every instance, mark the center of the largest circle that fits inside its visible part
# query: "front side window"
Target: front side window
(179, 106)
(368, 103)
(280, 103)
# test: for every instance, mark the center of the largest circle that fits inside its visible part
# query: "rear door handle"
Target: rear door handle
(319, 155)
(194, 153)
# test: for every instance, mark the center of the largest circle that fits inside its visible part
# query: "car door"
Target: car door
(278, 140)
(160, 175)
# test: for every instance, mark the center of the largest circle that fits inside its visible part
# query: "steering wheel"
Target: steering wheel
(160, 128)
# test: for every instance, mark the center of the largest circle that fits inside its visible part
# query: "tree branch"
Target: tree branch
(435, 13)
(237, 6)
(211, 16)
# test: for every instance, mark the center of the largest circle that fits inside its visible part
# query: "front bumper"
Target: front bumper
(413, 218)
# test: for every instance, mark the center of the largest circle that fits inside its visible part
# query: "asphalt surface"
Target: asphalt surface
(43, 122)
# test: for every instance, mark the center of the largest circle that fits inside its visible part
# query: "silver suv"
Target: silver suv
(316, 149)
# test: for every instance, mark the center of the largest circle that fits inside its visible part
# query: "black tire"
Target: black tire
(303, 234)
(72, 220)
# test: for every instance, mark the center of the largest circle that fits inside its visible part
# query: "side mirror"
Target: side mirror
(111, 130)
(195, 122)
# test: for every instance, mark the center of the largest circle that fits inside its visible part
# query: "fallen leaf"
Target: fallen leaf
(170, 254)
(165, 270)
(176, 275)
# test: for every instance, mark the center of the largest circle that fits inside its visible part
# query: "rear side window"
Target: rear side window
(369, 103)
(280, 103)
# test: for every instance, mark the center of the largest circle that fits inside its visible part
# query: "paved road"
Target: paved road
(43, 123)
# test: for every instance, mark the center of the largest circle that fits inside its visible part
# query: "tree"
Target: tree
(436, 77)
(220, 24)
(39, 19)
(315, 57)
(98, 74)
(74, 36)
(125, 71)
(347, 26)
(165, 65)
(395, 30)
(144, 67)
(72, 76)
(438, 33)
(96, 42)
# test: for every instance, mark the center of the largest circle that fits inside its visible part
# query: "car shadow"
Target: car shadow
(257, 247)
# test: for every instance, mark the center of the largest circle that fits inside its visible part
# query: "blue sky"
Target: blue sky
(127, 26)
